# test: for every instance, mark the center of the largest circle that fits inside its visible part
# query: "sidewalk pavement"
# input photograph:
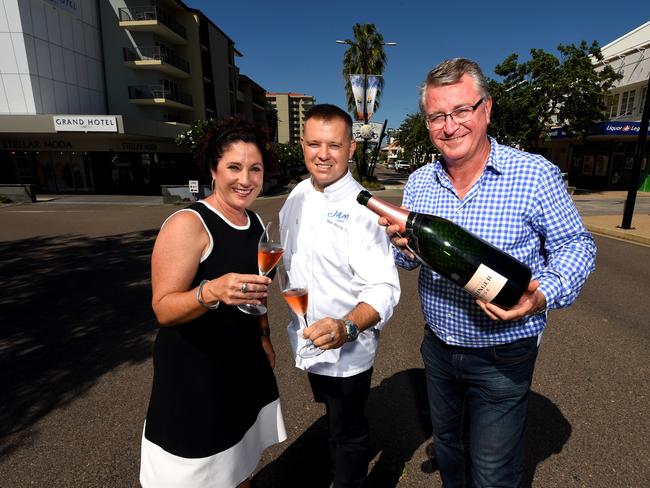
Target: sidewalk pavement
(610, 225)
(602, 212)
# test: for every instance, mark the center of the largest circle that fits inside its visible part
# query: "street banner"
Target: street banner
(357, 84)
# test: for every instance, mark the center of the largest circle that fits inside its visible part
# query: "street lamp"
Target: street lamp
(365, 134)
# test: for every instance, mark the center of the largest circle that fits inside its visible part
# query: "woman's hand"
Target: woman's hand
(236, 289)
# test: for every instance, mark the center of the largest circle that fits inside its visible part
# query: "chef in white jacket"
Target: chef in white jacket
(334, 246)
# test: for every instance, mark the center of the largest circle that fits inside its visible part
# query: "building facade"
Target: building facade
(95, 92)
(290, 109)
(605, 159)
(392, 152)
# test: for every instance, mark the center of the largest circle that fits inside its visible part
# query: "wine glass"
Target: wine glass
(269, 253)
(296, 295)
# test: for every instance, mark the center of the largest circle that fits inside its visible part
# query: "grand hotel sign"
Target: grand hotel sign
(85, 123)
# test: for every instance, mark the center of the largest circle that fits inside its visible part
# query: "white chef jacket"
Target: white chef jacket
(335, 246)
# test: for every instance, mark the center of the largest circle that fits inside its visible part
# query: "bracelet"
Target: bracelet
(199, 298)
(265, 332)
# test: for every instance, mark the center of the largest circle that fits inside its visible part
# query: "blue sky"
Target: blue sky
(288, 46)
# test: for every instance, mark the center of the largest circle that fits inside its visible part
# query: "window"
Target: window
(623, 104)
(611, 105)
(644, 93)
(627, 103)
(630, 103)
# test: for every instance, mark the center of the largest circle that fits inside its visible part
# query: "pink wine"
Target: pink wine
(268, 257)
(297, 299)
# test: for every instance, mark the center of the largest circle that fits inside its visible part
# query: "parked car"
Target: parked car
(402, 166)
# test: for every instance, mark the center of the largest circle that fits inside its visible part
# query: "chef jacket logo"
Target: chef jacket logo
(338, 216)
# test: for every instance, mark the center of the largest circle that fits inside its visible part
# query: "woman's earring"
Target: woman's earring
(212, 184)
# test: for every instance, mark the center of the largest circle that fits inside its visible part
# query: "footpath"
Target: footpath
(609, 224)
(602, 212)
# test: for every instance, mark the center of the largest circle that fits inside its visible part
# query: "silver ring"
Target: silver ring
(244, 287)
(332, 337)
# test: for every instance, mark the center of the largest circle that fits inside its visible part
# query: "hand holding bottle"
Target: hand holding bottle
(396, 238)
(531, 302)
(472, 263)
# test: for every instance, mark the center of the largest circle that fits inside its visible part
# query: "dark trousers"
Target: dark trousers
(478, 399)
(349, 440)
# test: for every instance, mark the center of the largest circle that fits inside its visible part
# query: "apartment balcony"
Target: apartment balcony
(160, 96)
(157, 58)
(154, 19)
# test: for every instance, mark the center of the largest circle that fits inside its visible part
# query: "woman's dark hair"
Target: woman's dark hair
(217, 137)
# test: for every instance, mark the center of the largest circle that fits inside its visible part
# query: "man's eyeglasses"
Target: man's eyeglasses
(460, 115)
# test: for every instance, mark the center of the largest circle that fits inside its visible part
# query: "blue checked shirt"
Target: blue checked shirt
(520, 205)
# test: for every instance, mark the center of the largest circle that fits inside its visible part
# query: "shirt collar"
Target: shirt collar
(338, 189)
(493, 159)
(491, 164)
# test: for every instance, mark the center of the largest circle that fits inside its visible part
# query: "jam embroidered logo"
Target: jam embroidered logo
(338, 216)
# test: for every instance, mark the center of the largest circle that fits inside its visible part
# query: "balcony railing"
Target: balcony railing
(152, 12)
(156, 53)
(150, 92)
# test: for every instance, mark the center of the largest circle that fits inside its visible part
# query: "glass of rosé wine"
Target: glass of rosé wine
(296, 294)
(269, 253)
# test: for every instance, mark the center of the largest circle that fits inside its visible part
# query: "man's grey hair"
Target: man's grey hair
(451, 71)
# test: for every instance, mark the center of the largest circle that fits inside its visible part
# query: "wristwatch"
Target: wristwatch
(351, 330)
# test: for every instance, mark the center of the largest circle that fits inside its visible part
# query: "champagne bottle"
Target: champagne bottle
(481, 269)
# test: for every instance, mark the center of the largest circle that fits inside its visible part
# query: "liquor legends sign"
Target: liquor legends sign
(619, 128)
(608, 128)
(85, 123)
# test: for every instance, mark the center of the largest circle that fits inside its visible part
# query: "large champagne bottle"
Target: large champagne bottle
(483, 270)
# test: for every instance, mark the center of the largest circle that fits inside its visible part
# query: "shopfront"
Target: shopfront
(85, 163)
(604, 161)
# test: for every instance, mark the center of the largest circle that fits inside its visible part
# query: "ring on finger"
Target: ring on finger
(244, 287)
(332, 337)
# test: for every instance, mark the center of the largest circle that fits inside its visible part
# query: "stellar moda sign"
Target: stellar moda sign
(85, 123)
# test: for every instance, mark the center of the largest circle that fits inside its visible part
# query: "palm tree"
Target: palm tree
(365, 55)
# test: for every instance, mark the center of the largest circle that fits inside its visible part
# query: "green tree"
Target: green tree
(547, 92)
(585, 87)
(413, 137)
(365, 55)
(196, 139)
(290, 158)
(200, 138)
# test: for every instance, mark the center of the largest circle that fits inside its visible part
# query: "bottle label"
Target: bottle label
(486, 283)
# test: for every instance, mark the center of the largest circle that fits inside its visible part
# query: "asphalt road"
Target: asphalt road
(75, 366)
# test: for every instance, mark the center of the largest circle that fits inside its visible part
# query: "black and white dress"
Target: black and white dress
(214, 403)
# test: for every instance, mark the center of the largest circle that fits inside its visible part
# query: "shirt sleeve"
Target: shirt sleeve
(569, 248)
(373, 268)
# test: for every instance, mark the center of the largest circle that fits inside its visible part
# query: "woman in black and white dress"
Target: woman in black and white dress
(214, 403)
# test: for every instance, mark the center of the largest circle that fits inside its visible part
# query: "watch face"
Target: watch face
(351, 330)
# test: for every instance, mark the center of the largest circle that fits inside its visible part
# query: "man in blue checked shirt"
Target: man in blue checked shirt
(479, 358)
